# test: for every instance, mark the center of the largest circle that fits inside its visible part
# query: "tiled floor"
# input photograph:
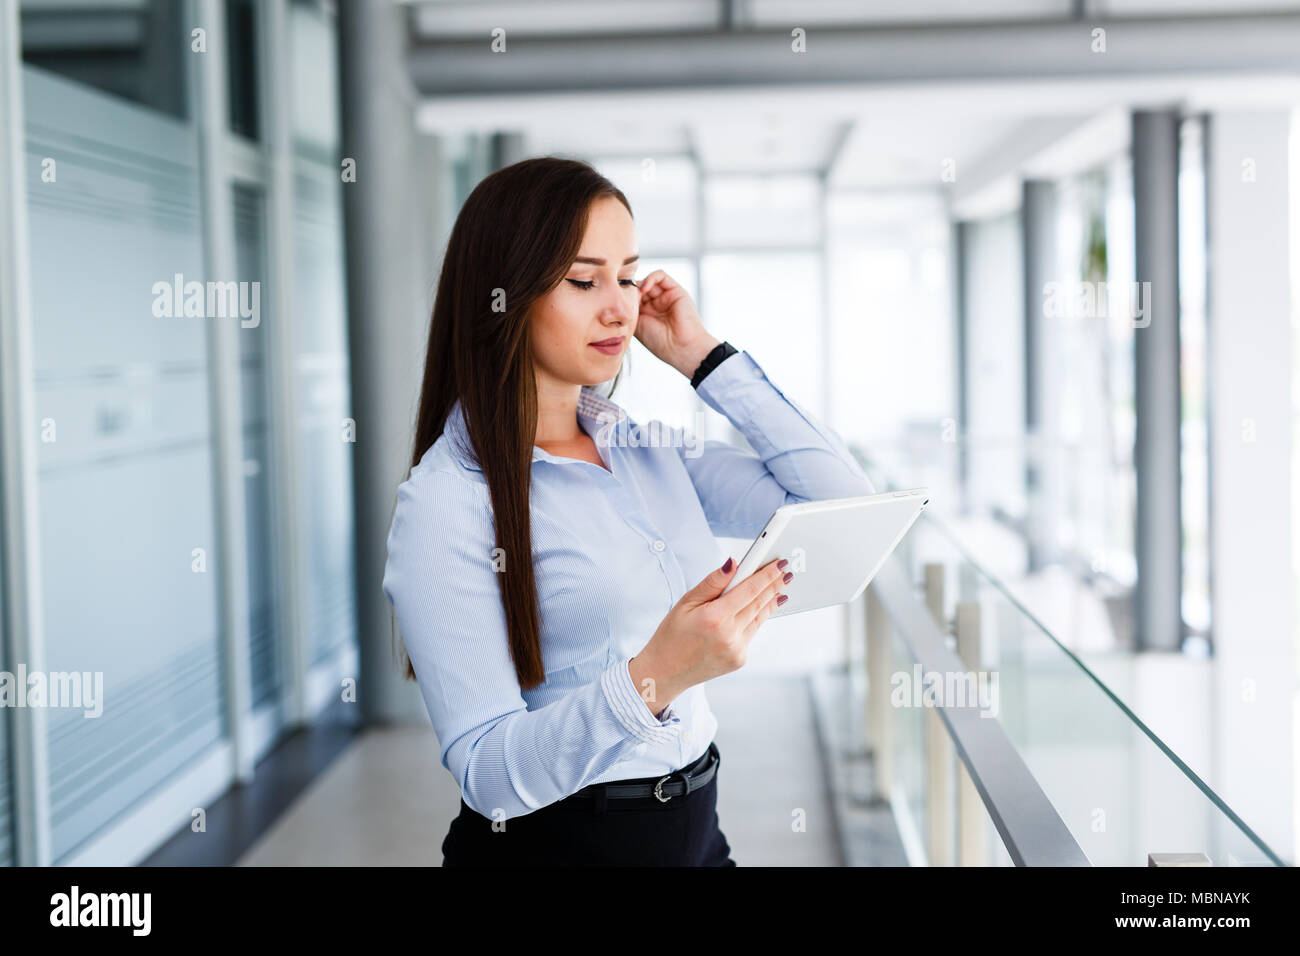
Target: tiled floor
(385, 802)
(388, 801)
(773, 802)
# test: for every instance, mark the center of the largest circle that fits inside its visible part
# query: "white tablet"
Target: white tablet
(835, 547)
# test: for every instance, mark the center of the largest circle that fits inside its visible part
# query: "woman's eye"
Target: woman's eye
(588, 283)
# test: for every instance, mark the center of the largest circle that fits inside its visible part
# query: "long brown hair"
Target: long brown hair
(514, 239)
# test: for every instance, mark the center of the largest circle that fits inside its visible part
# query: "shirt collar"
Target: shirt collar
(595, 411)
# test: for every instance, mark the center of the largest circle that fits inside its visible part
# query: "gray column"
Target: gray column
(387, 319)
(1038, 230)
(1158, 534)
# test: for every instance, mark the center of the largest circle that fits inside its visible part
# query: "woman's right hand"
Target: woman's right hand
(707, 633)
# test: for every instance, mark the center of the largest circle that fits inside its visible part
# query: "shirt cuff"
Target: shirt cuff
(631, 710)
(737, 388)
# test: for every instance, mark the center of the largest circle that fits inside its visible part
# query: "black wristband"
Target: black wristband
(721, 351)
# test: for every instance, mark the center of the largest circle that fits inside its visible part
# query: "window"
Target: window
(134, 49)
(995, 356)
(891, 348)
(255, 371)
(325, 434)
(1095, 362)
(126, 520)
(1192, 332)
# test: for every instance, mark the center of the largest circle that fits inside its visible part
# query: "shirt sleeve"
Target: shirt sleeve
(796, 458)
(441, 580)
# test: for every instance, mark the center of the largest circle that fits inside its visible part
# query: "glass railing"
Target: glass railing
(909, 785)
(1121, 792)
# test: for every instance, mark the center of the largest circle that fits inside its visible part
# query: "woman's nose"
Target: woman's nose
(616, 306)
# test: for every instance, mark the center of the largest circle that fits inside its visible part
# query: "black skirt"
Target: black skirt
(577, 832)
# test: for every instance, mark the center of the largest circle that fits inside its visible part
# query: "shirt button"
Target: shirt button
(658, 546)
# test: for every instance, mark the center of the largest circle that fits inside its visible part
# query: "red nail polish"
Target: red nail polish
(781, 599)
(781, 564)
(788, 577)
(726, 568)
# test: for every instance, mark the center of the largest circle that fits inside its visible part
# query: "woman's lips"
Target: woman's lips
(609, 346)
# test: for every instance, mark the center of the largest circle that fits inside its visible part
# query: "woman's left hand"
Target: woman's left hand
(669, 326)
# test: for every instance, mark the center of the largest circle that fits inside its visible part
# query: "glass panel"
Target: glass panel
(908, 800)
(314, 80)
(130, 48)
(241, 68)
(1086, 450)
(326, 434)
(128, 538)
(1121, 788)
(1116, 566)
(911, 718)
(254, 352)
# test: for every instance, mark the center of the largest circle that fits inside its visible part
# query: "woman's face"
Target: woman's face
(582, 328)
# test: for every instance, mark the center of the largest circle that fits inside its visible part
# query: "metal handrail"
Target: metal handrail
(1031, 829)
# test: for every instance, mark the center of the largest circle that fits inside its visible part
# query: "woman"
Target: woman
(559, 588)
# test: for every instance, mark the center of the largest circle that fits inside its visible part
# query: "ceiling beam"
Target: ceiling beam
(1148, 47)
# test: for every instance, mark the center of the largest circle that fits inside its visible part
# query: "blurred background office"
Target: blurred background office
(1038, 255)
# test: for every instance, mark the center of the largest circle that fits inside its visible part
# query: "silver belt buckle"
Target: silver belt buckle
(659, 789)
(707, 761)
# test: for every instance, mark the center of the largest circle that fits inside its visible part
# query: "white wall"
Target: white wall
(1250, 375)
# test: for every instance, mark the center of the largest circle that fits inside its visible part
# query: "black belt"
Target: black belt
(676, 784)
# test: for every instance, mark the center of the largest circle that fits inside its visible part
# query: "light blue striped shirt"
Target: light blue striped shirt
(614, 550)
